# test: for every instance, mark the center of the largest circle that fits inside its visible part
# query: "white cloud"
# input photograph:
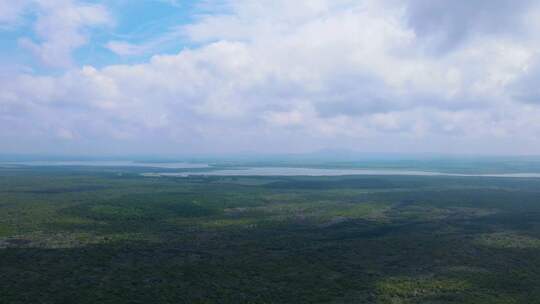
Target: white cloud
(125, 48)
(61, 26)
(11, 12)
(292, 75)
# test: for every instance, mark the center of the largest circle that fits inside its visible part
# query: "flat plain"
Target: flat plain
(96, 235)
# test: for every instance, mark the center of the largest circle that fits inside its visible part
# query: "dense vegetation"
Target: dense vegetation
(98, 236)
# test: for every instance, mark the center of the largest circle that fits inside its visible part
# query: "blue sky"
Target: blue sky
(135, 22)
(228, 76)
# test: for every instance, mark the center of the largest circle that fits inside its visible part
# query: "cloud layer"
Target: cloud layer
(287, 76)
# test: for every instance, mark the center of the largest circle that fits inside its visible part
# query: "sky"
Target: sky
(167, 77)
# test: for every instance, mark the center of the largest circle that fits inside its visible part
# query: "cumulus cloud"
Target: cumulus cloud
(526, 87)
(447, 24)
(60, 28)
(11, 12)
(298, 75)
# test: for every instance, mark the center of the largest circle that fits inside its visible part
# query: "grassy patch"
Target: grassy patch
(509, 239)
(416, 290)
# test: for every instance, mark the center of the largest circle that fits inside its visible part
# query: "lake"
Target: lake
(107, 163)
(286, 171)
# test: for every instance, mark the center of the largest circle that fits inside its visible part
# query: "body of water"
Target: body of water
(252, 171)
(284, 171)
(107, 163)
